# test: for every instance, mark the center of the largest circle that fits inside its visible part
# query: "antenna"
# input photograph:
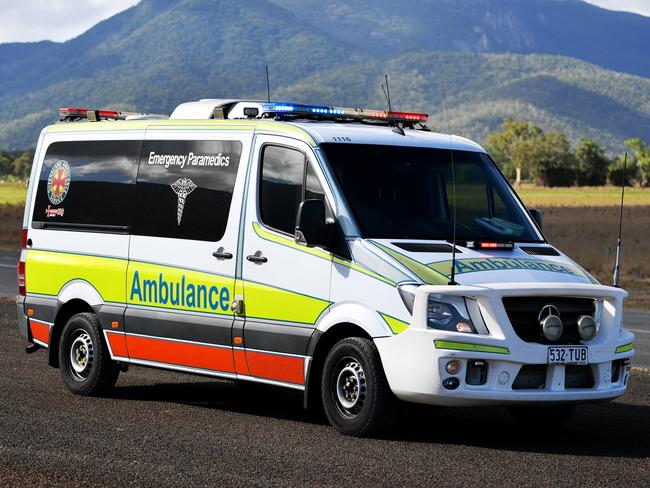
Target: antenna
(452, 275)
(396, 129)
(387, 92)
(268, 85)
(617, 266)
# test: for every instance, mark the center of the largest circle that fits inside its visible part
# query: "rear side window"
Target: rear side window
(184, 188)
(88, 184)
(286, 180)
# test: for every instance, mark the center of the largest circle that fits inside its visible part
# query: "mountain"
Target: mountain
(613, 40)
(484, 54)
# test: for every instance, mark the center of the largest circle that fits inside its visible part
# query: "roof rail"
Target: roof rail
(70, 114)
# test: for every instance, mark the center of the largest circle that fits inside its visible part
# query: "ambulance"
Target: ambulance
(350, 254)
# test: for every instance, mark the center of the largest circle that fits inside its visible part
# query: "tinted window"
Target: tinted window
(287, 179)
(184, 188)
(400, 192)
(88, 183)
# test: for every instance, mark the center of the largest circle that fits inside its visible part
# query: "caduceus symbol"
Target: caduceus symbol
(182, 187)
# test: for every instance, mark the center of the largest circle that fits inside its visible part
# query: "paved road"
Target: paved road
(168, 429)
(8, 280)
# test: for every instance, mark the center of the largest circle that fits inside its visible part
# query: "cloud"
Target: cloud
(56, 20)
(636, 6)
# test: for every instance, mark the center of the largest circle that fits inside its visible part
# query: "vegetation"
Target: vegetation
(524, 151)
(593, 196)
(12, 192)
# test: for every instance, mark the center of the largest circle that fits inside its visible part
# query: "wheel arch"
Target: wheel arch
(319, 345)
(64, 312)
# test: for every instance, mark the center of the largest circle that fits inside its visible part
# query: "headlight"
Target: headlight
(450, 314)
(443, 312)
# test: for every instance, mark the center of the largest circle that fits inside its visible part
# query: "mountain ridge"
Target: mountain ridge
(160, 53)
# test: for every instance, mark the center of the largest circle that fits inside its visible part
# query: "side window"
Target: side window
(88, 184)
(286, 180)
(184, 188)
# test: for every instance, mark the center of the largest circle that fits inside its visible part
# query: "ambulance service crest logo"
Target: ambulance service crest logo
(58, 182)
(182, 187)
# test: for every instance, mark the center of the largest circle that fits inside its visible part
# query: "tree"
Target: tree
(515, 147)
(615, 172)
(22, 165)
(642, 154)
(555, 161)
(591, 163)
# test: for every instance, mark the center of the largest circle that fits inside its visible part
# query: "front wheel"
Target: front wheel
(356, 397)
(85, 363)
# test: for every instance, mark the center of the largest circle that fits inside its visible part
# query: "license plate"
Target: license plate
(567, 355)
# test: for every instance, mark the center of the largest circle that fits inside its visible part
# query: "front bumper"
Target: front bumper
(414, 361)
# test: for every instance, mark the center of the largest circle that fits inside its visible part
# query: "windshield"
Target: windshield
(397, 192)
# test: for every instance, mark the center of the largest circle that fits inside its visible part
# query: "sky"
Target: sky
(60, 20)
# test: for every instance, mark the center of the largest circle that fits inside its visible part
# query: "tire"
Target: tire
(85, 363)
(541, 418)
(370, 409)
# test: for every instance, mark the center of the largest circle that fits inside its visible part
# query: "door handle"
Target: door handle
(222, 254)
(256, 258)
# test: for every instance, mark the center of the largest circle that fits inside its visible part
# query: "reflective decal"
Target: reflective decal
(58, 182)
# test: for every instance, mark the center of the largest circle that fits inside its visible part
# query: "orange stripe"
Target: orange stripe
(117, 341)
(40, 331)
(240, 363)
(180, 353)
(276, 367)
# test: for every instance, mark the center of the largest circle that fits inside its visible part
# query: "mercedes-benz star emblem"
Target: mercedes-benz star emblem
(551, 323)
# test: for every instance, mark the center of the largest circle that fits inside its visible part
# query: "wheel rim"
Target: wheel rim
(349, 387)
(81, 355)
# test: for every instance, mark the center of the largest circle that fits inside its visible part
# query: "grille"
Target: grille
(530, 377)
(523, 313)
(578, 377)
(424, 247)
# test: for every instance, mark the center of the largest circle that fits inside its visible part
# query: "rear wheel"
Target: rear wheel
(356, 397)
(542, 417)
(84, 361)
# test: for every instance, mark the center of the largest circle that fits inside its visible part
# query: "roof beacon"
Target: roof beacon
(280, 109)
(70, 114)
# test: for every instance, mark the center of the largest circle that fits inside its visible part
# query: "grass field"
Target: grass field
(601, 196)
(12, 193)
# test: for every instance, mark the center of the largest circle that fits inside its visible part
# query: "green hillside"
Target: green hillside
(164, 52)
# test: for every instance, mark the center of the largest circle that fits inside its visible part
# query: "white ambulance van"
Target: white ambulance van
(347, 253)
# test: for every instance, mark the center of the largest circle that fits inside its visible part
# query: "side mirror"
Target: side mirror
(538, 217)
(310, 223)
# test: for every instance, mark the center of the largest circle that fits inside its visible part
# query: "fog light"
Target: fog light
(552, 327)
(504, 378)
(586, 327)
(451, 383)
(453, 366)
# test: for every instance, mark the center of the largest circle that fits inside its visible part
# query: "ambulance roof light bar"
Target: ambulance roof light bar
(72, 114)
(280, 109)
